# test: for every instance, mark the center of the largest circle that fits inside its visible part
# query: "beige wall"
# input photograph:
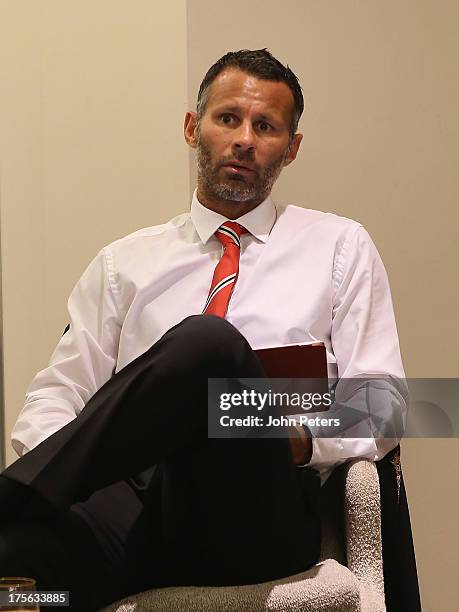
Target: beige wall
(380, 133)
(91, 108)
(93, 95)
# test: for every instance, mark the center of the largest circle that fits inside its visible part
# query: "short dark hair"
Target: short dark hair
(261, 64)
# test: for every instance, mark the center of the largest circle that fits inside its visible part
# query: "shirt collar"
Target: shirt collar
(259, 221)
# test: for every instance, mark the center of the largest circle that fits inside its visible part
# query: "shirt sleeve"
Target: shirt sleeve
(365, 343)
(84, 359)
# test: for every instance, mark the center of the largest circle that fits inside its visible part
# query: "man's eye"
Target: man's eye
(226, 118)
(264, 127)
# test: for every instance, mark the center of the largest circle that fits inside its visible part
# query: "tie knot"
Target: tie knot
(230, 232)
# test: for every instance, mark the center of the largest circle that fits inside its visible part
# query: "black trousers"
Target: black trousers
(132, 494)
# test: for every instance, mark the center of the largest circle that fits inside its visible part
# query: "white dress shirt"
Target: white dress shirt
(304, 275)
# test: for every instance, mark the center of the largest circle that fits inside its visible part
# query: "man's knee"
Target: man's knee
(215, 331)
(216, 345)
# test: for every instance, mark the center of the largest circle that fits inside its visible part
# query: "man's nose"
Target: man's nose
(244, 138)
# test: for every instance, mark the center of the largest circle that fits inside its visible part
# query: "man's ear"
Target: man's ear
(297, 138)
(189, 128)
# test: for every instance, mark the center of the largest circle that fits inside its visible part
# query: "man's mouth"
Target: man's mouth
(238, 168)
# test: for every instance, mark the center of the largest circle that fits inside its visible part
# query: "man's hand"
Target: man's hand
(301, 445)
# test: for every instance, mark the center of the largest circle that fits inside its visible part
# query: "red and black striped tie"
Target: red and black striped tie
(227, 269)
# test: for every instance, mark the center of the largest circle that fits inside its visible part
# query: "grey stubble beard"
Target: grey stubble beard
(235, 189)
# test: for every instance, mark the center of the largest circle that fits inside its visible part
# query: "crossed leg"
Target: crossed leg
(218, 511)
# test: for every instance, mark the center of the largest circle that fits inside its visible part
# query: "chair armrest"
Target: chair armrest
(362, 510)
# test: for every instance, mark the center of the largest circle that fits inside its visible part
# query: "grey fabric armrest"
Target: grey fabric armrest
(363, 531)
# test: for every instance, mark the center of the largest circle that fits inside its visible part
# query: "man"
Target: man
(126, 388)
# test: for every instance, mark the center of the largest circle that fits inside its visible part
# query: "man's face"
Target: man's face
(243, 138)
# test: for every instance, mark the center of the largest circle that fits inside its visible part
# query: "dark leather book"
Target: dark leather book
(299, 369)
(307, 360)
